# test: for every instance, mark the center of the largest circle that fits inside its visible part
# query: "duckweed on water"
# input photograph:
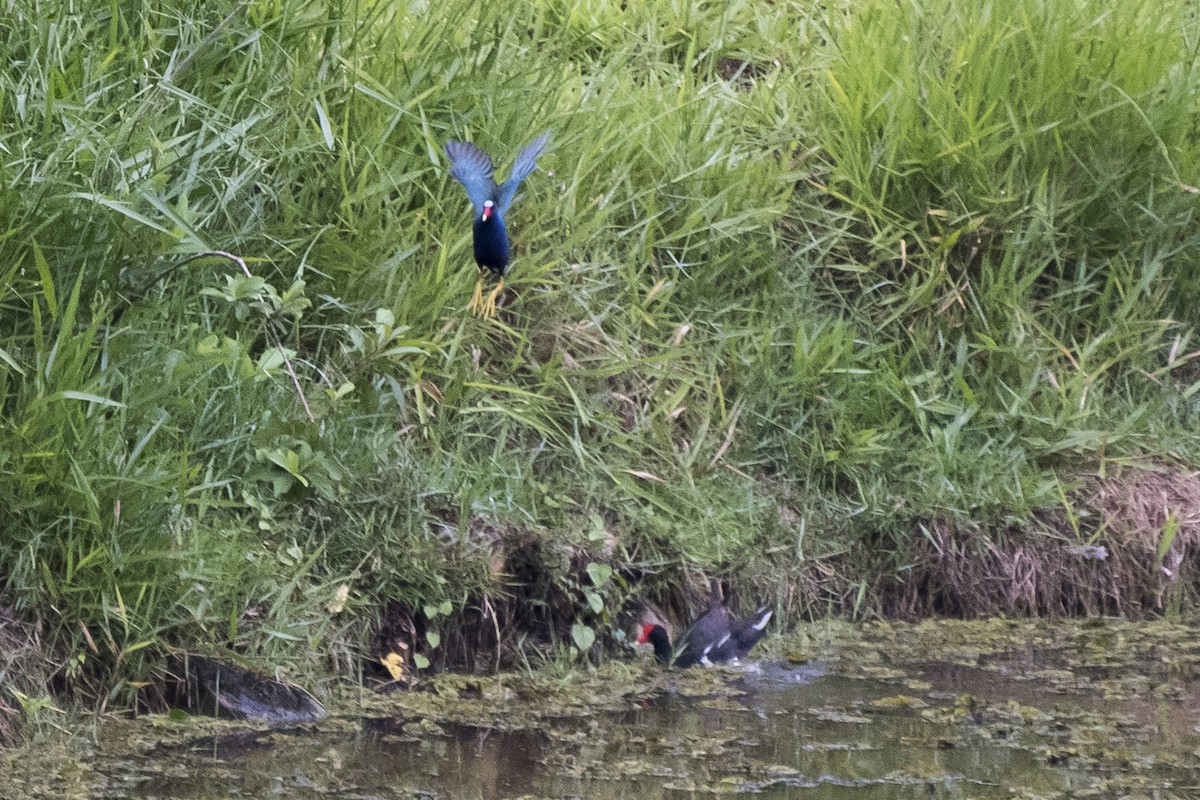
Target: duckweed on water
(958, 709)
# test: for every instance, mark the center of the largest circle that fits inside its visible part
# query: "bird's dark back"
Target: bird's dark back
(703, 634)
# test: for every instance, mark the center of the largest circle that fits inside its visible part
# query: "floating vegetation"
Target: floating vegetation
(992, 709)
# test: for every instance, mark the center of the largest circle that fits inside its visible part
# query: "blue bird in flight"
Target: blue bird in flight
(473, 168)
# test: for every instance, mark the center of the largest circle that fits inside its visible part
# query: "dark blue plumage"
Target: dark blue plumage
(490, 242)
(473, 168)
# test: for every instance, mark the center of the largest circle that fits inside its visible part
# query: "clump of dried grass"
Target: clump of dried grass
(1151, 518)
(1134, 558)
(24, 666)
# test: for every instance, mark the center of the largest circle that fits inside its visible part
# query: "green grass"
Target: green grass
(1020, 151)
(789, 281)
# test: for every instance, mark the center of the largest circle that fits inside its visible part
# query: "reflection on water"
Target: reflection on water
(792, 734)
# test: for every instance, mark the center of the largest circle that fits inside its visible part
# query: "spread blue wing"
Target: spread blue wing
(526, 162)
(472, 167)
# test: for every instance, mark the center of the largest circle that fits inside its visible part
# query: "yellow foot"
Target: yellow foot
(489, 307)
(476, 304)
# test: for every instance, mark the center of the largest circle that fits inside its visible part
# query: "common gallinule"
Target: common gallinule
(473, 168)
(714, 638)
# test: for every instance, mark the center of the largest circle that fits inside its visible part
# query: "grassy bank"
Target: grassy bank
(803, 299)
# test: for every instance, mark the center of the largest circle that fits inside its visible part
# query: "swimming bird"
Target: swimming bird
(472, 167)
(714, 638)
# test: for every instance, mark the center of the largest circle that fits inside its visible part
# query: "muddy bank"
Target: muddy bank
(1126, 543)
(1127, 548)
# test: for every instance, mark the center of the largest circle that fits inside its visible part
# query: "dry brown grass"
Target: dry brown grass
(1131, 552)
(24, 667)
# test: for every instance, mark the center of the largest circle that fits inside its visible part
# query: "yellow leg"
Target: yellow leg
(476, 304)
(489, 307)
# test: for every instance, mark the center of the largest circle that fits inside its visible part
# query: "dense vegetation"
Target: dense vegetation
(794, 286)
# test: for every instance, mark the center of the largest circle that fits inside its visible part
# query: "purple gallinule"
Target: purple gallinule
(473, 168)
(714, 638)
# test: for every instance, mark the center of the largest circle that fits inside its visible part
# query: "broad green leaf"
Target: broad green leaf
(584, 636)
(599, 573)
(594, 601)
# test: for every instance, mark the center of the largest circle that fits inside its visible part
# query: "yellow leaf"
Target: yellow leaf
(394, 663)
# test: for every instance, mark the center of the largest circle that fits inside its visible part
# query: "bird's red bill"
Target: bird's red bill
(644, 634)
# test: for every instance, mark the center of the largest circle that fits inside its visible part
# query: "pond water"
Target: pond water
(972, 710)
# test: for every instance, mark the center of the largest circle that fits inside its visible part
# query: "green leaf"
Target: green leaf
(7, 359)
(584, 636)
(1170, 529)
(594, 601)
(293, 302)
(120, 209)
(433, 638)
(46, 278)
(326, 128)
(599, 573)
(246, 287)
(420, 661)
(71, 394)
(274, 357)
(333, 394)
